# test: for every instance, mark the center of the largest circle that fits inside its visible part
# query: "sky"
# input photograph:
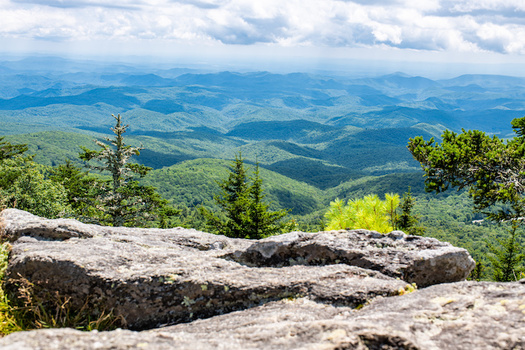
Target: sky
(487, 35)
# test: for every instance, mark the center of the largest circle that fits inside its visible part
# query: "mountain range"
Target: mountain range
(319, 130)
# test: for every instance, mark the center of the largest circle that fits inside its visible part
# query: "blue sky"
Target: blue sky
(477, 33)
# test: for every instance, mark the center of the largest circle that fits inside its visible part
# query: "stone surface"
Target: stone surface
(304, 288)
(464, 315)
(155, 277)
(421, 260)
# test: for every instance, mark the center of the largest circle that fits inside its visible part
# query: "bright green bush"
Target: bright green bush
(369, 212)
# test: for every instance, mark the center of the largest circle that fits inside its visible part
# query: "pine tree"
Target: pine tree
(123, 201)
(243, 212)
(507, 257)
(369, 212)
(261, 221)
(406, 221)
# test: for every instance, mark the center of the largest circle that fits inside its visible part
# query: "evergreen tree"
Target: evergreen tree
(491, 168)
(243, 212)
(233, 200)
(406, 221)
(478, 272)
(261, 221)
(81, 189)
(493, 171)
(507, 257)
(25, 185)
(122, 200)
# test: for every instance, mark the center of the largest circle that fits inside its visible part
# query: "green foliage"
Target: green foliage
(478, 273)
(492, 170)
(406, 221)
(53, 147)
(7, 150)
(369, 212)
(123, 201)
(449, 218)
(81, 188)
(314, 158)
(391, 183)
(234, 202)
(245, 215)
(262, 222)
(507, 257)
(25, 185)
(8, 321)
(195, 182)
(391, 205)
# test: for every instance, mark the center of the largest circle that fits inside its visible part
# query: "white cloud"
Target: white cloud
(442, 25)
(491, 5)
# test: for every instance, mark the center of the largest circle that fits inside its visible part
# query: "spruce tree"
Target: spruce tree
(233, 200)
(261, 221)
(243, 211)
(406, 221)
(122, 200)
(507, 257)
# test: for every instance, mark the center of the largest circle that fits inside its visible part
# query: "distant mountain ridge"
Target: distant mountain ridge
(226, 99)
(318, 129)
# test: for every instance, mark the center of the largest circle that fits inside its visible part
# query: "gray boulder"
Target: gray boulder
(153, 277)
(464, 315)
(421, 260)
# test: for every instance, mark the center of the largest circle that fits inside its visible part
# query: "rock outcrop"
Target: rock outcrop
(459, 316)
(424, 261)
(153, 278)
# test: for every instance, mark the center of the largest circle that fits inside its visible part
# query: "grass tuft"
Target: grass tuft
(27, 311)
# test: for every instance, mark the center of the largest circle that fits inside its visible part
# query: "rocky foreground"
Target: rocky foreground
(187, 289)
